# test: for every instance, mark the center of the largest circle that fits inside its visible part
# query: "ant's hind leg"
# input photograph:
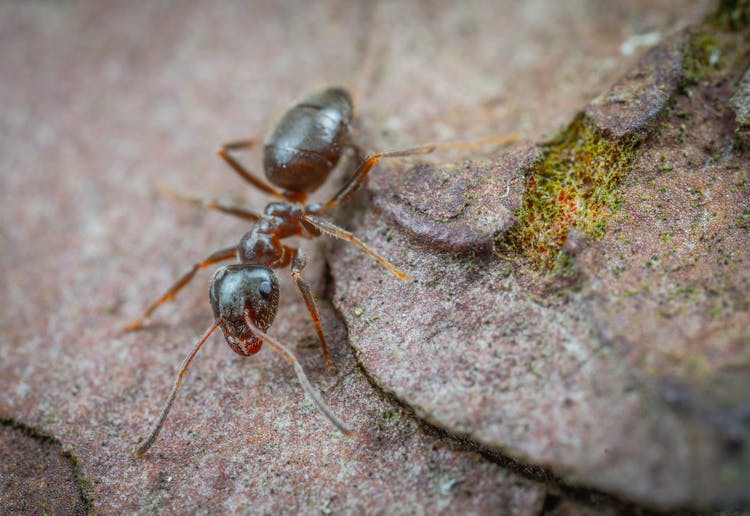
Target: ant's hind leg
(226, 150)
(359, 176)
(298, 264)
(222, 254)
(216, 205)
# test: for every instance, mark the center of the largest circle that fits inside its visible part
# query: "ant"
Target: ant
(298, 155)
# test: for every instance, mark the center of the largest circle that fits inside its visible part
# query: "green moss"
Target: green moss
(733, 14)
(565, 265)
(574, 185)
(702, 56)
(715, 49)
(743, 220)
(84, 487)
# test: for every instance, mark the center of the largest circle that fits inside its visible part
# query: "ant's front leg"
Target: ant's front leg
(222, 254)
(298, 264)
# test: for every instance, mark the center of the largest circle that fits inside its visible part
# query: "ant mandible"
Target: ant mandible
(298, 155)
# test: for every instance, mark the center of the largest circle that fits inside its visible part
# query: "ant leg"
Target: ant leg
(183, 370)
(225, 151)
(298, 263)
(335, 231)
(304, 382)
(359, 176)
(229, 209)
(222, 254)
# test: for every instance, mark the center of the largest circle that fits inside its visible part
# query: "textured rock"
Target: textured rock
(455, 209)
(634, 101)
(633, 377)
(36, 477)
(740, 102)
(105, 105)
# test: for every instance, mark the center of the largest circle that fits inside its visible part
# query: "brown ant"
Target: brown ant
(299, 154)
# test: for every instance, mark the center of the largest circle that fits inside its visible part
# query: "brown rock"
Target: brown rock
(632, 104)
(455, 209)
(104, 105)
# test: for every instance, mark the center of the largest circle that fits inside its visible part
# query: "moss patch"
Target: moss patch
(573, 186)
(703, 55)
(733, 14)
(718, 47)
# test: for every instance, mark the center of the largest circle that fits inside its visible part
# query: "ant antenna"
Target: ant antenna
(278, 347)
(183, 370)
(304, 382)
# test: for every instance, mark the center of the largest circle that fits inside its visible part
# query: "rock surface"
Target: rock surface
(627, 367)
(36, 476)
(105, 106)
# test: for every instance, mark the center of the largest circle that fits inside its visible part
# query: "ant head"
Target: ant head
(239, 289)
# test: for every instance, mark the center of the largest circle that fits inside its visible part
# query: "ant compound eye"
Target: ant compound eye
(265, 289)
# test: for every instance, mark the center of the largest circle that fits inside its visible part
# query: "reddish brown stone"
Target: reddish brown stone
(104, 105)
(632, 104)
(634, 377)
(36, 477)
(457, 209)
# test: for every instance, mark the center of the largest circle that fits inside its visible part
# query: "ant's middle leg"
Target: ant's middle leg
(231, 209)
(298, 264)
(226, 150)
(222, 254)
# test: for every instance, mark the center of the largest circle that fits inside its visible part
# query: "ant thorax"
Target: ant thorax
(262, 244)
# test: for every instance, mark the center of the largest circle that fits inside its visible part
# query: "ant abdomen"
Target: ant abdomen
(308, 141)
(241, 290)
